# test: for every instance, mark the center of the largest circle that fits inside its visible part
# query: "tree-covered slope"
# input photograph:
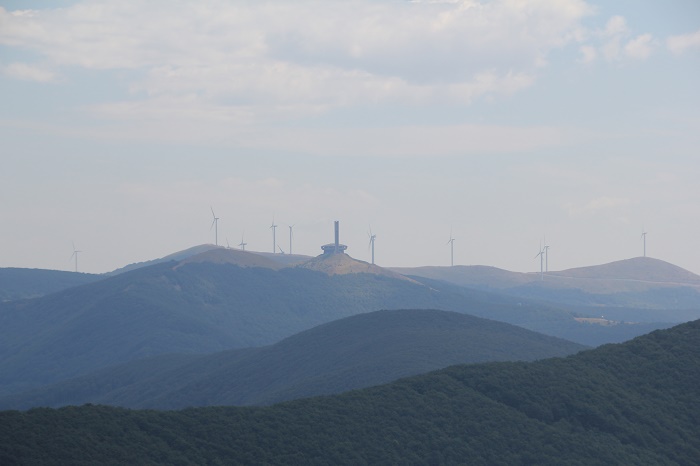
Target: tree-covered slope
(354, 352)
(17, 283)
(631, 403)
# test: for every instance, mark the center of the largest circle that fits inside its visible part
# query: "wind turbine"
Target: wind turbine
(242, 244)
(281, 250)
(290, 238)
(228, 246)
(451, 242)
(372, 237)
(75, 254)
(644, 240)
(215, 225)
(541, 256)
(546, 255)
(274, 239)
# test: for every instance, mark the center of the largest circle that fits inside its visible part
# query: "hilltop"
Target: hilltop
(176, 256)
(343, 264)
(350, 353)
(639, 270)
(221, 255)
(631, 403)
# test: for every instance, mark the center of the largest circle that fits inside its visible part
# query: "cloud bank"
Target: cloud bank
(275, 58)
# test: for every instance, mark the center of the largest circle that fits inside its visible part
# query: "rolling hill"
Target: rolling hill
(354, 352)
(629, 275)
(176, 256)
(641, 289)
(342, 264)
(630, 403)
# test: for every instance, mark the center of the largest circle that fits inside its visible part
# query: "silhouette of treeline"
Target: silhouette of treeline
(630, 403)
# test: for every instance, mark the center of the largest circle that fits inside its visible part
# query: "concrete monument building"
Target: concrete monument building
(335, 248)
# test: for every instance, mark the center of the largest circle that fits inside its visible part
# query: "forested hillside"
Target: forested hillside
(631, 403)
(16, 283)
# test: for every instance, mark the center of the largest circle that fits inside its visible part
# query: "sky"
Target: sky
(504, 124)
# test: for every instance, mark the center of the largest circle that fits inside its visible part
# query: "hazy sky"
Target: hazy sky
(503, 121)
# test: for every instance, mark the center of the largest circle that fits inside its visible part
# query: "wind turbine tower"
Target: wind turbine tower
(75, 255)
(215, 226)
(242, 244)
(372, 237)
(273, 227)
(451, 242)
(644, 241)
(541, 255)
(290, 238)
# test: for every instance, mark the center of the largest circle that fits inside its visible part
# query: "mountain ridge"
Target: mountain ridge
(638, 269)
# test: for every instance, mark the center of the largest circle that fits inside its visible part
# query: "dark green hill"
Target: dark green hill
(16, 283)
(631, 403)
(355, 352)
(205, 307)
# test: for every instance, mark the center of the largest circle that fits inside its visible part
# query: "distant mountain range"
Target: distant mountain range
(630, 288)
(630, 403)
(219, 299)
(637, 274)
(214, 299)
(350, 353)
(641, 289)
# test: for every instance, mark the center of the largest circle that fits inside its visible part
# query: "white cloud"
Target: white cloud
(272, 55)
(588, 54)
(28, 72)
(616, 26)
(616, 45)
(640, 47)
(679, 44)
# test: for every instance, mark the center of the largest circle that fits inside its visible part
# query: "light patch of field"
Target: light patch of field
(596, 321)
